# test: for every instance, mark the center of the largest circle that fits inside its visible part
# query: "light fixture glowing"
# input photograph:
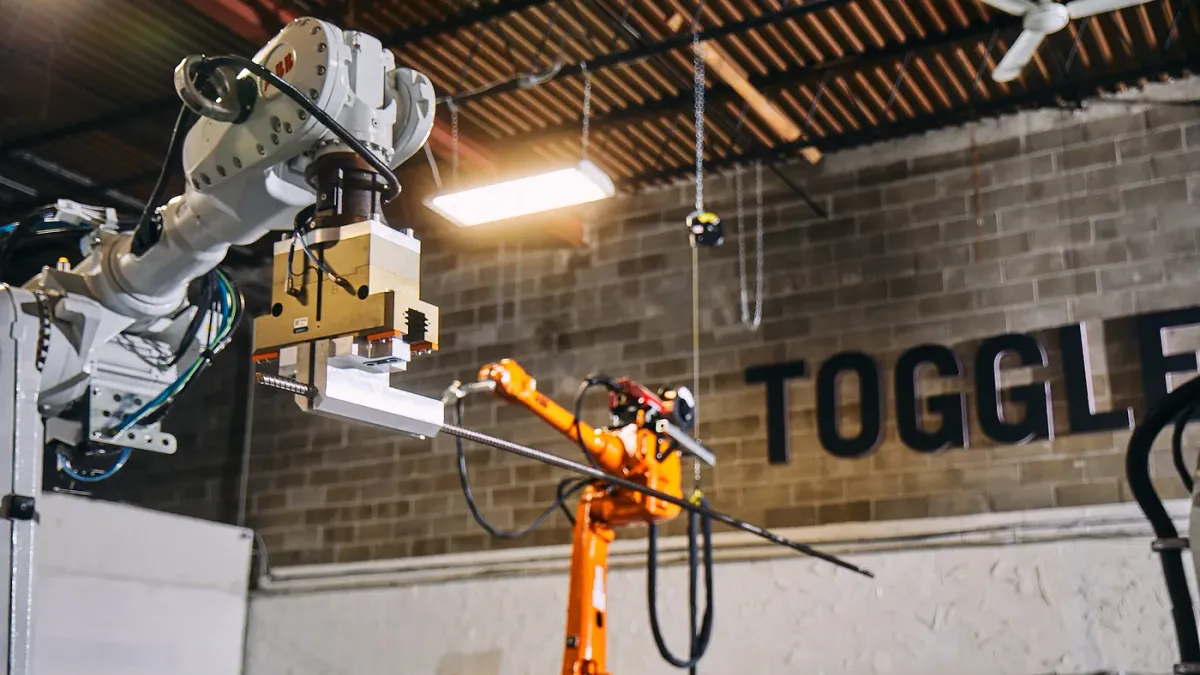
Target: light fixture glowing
(580, 184)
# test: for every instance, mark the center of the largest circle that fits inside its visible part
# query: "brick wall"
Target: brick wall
(1083, 217)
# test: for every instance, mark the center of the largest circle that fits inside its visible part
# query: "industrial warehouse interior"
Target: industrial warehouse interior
(600, 337)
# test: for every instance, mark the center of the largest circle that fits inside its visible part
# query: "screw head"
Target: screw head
(320, 70)
(303, 114)
(237, 162)
(261, 149)
(322, 47)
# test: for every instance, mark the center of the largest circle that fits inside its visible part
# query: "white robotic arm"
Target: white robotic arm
(259, 153)
(245, 160)
(77, 369)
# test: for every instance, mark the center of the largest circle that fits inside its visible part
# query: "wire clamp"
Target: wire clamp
(21, 507)
(1172, 544)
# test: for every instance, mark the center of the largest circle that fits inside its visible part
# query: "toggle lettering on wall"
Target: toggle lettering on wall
(940, 421)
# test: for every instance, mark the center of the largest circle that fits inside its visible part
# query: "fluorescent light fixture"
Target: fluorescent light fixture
(580, 184)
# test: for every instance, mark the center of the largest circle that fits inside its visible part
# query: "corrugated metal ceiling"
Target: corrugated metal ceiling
(847, 72)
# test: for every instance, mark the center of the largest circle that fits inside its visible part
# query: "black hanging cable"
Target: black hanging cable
(208, 284)
(591, 381)
(566, 488)
(300, 228)
(148, 229)
(1181, 467)
(697, 641)
(25, 227)
(1168, 544)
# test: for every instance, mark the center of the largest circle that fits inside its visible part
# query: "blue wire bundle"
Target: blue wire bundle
(229, 309)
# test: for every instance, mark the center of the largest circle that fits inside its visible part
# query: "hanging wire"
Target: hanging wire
(750, 322)
(587, 108)
(453, 107)
(433, 167)
(756, 321)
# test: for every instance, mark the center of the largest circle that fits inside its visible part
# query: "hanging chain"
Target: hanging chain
(587, 107)
(698, 67)
(749, 322)
(453, 140)
(698, 93)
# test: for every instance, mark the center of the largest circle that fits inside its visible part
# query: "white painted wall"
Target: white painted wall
(125, 591)
(1083, 593)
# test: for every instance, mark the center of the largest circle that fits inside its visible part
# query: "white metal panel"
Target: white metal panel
(127, 591)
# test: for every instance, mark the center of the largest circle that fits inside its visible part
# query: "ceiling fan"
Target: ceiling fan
(1041, 19)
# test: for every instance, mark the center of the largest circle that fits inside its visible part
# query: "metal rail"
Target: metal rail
(591, 472)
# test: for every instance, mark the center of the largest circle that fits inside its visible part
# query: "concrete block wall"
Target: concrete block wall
(1046, 219)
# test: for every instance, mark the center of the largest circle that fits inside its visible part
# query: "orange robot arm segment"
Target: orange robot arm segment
(515, 385)
(587, 608)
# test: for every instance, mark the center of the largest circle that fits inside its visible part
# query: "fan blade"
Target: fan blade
(1018, 55)
(1081, 8)
(1017, 7)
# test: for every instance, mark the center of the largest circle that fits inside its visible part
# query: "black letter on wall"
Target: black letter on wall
(775, 376)
(1081, 401)
(1038, 420)
(871, 405)
(1155, 364)
(951, 407)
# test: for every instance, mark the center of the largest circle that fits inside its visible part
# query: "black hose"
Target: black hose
(1137, 472)
(148, 230)
(693, 584)
(563, 492)
(697, 641)
(25, 227)
(1181, 467)
(591, 381)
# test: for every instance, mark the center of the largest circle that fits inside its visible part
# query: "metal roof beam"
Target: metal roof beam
(774, 81)
(100, 123)
(458, 21)
(84, 187)
(1056, 96)
(674, 42)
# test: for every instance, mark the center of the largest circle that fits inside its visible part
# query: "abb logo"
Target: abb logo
(285, 65)
(282, 64)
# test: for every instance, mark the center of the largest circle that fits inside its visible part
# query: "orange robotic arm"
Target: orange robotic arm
(636, 453)
(515, 385)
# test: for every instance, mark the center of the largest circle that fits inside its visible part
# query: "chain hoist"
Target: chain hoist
(703, 226)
